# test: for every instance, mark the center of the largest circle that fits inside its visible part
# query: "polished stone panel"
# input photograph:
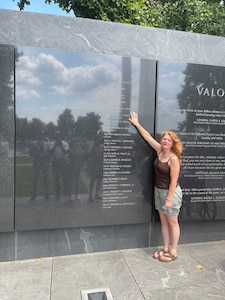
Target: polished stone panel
(7, 138)
(77, 34)
(69, 241)
(198, 103)
(7, 246)
(79, 160)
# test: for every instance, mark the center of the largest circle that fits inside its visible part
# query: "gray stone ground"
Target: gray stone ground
(198, 273)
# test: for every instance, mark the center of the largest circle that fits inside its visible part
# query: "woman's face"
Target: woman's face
(166, 141)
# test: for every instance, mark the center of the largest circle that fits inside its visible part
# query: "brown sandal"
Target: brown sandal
(168, 257)
(160, 253)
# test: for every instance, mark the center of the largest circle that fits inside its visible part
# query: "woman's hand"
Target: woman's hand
(168, 204)
(134, 119)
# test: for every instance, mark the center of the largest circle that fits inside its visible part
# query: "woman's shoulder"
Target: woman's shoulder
(174, 159)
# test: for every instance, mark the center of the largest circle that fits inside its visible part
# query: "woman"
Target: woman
(168, 194)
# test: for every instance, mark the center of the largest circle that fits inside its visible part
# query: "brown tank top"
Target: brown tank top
(162, 174)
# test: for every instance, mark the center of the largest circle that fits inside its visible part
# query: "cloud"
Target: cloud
(49, 83)
(171, 80)
(47, 73)
(27, 94)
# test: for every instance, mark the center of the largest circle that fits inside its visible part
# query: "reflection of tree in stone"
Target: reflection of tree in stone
(66, 123)
(203, 90)
(21, 131)
(7, 59)
(202, 100)
(36, 126)
(88, 126)
(7, 92)
(28, 130)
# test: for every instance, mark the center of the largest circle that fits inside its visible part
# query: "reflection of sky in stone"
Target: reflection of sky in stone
(48, 81)
(170, 82)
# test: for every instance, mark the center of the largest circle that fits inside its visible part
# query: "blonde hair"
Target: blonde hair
(177, 147)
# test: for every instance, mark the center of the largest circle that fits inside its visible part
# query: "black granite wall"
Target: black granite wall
(49, 52)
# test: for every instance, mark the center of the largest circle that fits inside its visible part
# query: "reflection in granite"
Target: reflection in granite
(77, 34)
(7, 138)
(7, 245)
(77, 168)
(199, 122)
(42, 214)
(43, 243)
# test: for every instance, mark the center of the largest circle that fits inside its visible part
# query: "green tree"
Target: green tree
(21, 129)
(28, 130)
(194, 16)
(50, 130)
(88, 126)
(66, 123)
(124, 11)
(6, 92)
(207, 80)
(197, 16)
(35, 126)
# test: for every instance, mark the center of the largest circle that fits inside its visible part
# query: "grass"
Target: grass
(7, 178)
(24, 179)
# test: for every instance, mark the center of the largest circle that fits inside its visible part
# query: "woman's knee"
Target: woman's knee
(173, 221)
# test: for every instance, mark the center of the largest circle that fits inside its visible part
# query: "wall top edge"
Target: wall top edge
(88, 35)
(106, 23)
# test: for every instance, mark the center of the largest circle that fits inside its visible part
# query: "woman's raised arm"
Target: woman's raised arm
(144, 133)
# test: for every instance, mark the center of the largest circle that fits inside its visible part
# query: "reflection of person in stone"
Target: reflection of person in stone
(95, 169)
(145, 173)
(59, 152)
(4, 151)
(76, 158)
(168, 194)
(39, 150)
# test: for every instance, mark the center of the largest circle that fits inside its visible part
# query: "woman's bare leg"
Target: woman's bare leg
(165, 230)
(165, 235)
(174, 228)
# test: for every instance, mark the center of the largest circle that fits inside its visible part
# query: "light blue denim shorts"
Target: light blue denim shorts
(160, 198)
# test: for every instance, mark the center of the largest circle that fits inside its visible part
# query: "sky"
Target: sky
(38, 6)
(170, 82)
(51, 80)
(34, 95)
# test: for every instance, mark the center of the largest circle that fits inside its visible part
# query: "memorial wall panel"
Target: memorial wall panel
(79, 162)
(7, 138)
(191, 102)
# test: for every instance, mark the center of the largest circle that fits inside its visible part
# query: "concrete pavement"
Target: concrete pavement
(132, 274)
